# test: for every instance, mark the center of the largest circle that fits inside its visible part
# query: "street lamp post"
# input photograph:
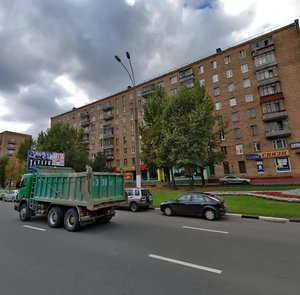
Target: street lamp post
(136, 122)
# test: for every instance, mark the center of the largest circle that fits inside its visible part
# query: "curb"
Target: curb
(265, 218)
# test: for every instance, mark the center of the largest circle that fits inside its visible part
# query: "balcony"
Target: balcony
(108, 117)
(147, 90)
(107, 107)
(275, 116)
(85, 138)
(12, 141)
(85, 122)
(278, 133)
(109, 154)
(108, 135)
(268, 81)
(11, 147)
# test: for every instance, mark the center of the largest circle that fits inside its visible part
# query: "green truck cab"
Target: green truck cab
(70, 198)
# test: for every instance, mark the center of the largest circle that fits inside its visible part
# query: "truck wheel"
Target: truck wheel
(71, 220)
(134, 207)
(55, 217)
(23, 214)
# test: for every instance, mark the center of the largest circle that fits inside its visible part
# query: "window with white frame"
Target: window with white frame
(253, 130)
(217, 91)
(279, 143)
(229, 73)
(218, 105)
(239, 149)
(242, 53)
(215, 78)
(269, 89)
(173, 80)
(264, 58)
(244, 68)
(246, 83)
(173, 91)
(267, 73)
(256, 146)
(222, 135)
(273, 106)
(214, 64)
(230, 87)
(227, 59)
(237, 133)
(201, 69)
(202, 82)
(232, 102)
(248, 97)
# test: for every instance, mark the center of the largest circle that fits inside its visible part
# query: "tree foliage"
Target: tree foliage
(99, 163)
(12, 170)
(26, 145)
(68, 140)
(3, 163)
(181, 130)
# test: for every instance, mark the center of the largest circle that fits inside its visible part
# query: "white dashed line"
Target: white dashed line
(36, 228)
(217, 271)
(204, 229)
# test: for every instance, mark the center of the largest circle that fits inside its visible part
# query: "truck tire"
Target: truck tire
(55, 217)
(23, 213)
(71, 220)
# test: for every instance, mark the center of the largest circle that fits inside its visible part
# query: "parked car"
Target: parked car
(201, 204)
(12, 196)
(234, 180)
(138, 198)
(2, 193)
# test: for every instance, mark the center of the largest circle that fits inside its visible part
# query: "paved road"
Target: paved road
(148, 253)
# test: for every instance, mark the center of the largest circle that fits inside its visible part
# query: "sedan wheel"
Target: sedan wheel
(168, 211)
(210, 214)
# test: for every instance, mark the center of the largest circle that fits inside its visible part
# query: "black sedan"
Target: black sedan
(197, 204)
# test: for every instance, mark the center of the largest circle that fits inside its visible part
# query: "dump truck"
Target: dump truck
(69, 198)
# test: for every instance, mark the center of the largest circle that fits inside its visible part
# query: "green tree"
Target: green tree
(192, 131)
(155, 152)
(22, 153)
(3, 163)
(68, 140)
(12, 170)
(99, 163)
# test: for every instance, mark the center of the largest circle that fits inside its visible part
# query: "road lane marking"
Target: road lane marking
(36, 228)
(205, 229)
(186, 264)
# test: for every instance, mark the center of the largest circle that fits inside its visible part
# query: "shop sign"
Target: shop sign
(264, 155)
(295, 145)
(253, 156)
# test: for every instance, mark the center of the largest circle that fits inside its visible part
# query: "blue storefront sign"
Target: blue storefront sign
(295, 145)
(253, 156)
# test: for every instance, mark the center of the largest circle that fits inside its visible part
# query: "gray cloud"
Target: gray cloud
(43, 39)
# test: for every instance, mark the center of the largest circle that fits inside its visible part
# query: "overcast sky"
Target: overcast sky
(57, 54)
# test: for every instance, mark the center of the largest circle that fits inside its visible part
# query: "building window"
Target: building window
(229, 73)
(234, 116)
(186, 73)
(279, 143)
(251, 113)
(133, 149)
(227, 60)
(161, 84)
(217, 91)
(253, 130)
(220, 120)
(133, 161)
(273, 106)
(283, 164)
(277, 125)
(269, 89)
(224, 150)
(212, 170)
(173, 91)
(267, 73)
(222, 135)
(242, 166)
(215, 78)
(201, 69)
(242, 53)
(232, 102)
(244, 68)
(246, 83)
(264, 58)
(239, 149)
(202, 82)
(260, 166)
(230, 87)
(214, 64)
(125, 162)
(226, 168)
(248, 97)
(237, 133)
(218, 105)
(256, 146)
(173, 80)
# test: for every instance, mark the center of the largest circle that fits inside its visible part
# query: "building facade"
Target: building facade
(255, 88)
(10, 142)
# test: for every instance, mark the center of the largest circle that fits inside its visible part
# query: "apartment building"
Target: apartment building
(255, 88)
(10, 142)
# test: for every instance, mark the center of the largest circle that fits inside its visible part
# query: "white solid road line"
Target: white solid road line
(186, 263)
(204, 229)
(36, 228)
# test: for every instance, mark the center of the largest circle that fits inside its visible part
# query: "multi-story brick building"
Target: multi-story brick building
(255, 88)
(10, 142)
